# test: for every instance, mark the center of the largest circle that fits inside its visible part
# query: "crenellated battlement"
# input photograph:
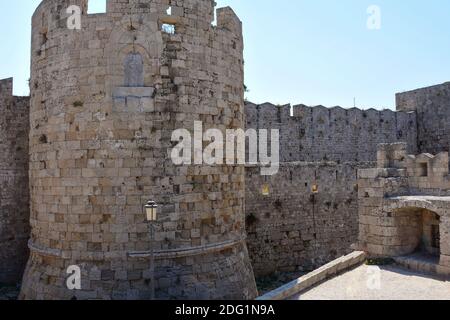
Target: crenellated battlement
(52, 15)
(417, 174)
(333, 134)
(425, 165)
(159, 33)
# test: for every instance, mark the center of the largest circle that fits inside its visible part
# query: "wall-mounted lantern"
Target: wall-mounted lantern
(151, 209)
(315, 189)
(265, 190)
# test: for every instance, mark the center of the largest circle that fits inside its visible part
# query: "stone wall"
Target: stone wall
(399, 200)
(333, 134)
(295, 229)
(432, 105)
(105, 102)
(14, 192)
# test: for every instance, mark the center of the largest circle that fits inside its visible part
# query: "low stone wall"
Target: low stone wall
(325, 272)
(295, 229)
(419, 263)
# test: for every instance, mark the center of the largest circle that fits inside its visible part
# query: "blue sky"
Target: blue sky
(305, 51)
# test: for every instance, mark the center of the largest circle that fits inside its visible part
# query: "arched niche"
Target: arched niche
(417, 230)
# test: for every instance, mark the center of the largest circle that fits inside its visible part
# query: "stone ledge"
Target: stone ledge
(159, 255)
(424, 264)
(326, 272)
(138, 92)
(47, 252)
(187, 252)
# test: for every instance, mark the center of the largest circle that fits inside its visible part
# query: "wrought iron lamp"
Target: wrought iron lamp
(151, 212)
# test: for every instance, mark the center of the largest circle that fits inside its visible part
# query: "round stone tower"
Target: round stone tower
(108, 90)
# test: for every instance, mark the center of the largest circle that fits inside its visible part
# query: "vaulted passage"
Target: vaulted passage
(418, 231)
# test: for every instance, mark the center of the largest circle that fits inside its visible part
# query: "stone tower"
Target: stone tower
(105, 101)
(14, 195)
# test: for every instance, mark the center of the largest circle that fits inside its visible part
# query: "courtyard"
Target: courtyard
(395, 283)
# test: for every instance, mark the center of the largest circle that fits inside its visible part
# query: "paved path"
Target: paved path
(395, 284)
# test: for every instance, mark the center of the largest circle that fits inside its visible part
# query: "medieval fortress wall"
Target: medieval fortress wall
(294, 227)
(14, 194)
(315, 134)
(104, 103)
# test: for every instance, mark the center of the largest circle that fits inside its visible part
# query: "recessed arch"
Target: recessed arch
(415, 230)
(144, 39)
(394, 205)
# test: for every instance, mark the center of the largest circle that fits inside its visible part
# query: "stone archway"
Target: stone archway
(413, 230)
(416, 225)
(417, 231)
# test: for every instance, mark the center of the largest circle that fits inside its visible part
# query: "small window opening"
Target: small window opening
(423, 170)
(168, 28)
(96, 6)
(169, 11)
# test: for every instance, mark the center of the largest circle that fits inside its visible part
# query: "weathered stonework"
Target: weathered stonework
(293, 228)
(14, 194)
(432, 106)
(404, 205)
(315, 134)
(105, 101)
